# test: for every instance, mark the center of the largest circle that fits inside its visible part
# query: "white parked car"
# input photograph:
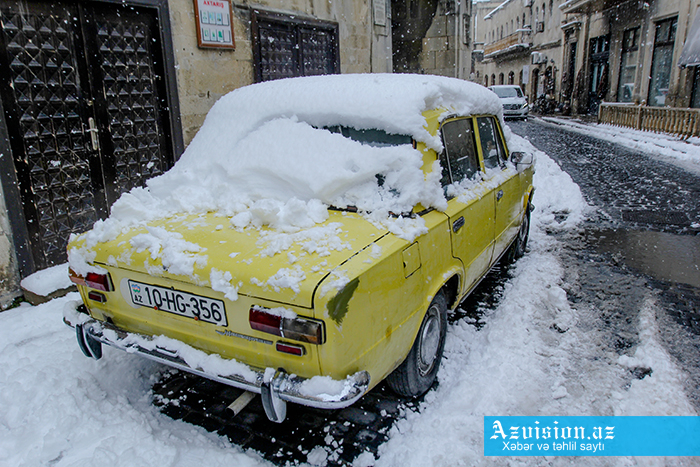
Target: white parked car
(514, 102)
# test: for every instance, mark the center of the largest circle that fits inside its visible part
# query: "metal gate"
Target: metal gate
(83, 96)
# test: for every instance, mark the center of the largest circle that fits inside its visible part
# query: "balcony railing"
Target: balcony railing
(679, 121)
(506, 44)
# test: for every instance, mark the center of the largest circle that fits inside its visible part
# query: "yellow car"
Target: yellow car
(311, 240)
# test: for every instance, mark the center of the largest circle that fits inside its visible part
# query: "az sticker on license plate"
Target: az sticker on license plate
(178, 302)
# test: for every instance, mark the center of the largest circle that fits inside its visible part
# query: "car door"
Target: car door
(470, 204)
(505, 180)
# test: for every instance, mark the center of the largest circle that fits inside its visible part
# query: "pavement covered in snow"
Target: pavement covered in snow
(533, 356)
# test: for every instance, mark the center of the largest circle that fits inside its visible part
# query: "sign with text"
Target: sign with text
(592, 436)
(214, 23)
(379, 7)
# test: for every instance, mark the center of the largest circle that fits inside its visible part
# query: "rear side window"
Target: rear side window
(491, 144)
(459, 159)
(376, 138)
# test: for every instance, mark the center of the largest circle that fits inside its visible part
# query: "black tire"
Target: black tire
(417, 373)
(517, 249)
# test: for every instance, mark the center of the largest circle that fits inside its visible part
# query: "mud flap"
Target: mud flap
(275, 408)
(90, 346)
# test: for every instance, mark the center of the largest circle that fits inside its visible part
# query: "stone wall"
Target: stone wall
(204, 76)
(9, 276)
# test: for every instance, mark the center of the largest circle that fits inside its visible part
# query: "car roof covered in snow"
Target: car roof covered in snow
(391, 102)
(265, 155)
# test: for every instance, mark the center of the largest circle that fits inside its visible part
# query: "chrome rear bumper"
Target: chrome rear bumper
(275, 385)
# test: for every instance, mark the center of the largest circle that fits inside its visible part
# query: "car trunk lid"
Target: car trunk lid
(206, 250)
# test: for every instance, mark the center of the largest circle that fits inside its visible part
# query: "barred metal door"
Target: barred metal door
(80, 93)
(126, 82)
(317, 47)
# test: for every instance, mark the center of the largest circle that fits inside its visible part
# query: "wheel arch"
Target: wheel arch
(451, 290)
(527, 199)
(451, 287)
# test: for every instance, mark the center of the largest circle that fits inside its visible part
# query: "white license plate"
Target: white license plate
(178, 302)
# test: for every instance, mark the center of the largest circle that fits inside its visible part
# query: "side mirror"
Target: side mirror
(521, 159)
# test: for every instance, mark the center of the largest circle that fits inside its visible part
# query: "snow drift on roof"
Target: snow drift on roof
(390, 102)
(263, 156)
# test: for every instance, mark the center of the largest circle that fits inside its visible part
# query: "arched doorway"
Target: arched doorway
(598, 72)
(536, 91)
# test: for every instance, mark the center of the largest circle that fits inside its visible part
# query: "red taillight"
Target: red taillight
(265, 322)
(93, 280)
(298, 329)
(99, 281)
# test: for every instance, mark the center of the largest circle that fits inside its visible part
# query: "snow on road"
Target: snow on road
(532, 357)
(521, 363)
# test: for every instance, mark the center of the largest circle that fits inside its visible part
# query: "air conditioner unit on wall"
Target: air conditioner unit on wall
(538, 57)
(539, 26)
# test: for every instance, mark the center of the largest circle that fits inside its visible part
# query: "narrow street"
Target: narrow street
(314, 202)
(642, 241)
(628, 188)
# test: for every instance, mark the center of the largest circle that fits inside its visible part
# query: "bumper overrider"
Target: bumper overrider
(275, 386)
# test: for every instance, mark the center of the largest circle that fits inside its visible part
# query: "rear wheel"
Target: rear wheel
(417, 373)
(517, 249)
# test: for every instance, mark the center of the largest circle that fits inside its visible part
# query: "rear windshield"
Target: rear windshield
(377, 138)
(508, 92)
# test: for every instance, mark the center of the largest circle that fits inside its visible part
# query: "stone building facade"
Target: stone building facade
(584, 52)
(362, 38)
(628, 51)
(96, 96)
(521, 45)
(432, 37)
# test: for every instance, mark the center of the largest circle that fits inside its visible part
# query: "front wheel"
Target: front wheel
(417, 373)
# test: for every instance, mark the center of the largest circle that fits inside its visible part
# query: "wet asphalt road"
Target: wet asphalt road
(635, 246)
(639, 244)
(627, 187)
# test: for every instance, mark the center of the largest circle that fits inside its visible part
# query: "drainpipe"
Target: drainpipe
(458, 8)
(585, 65)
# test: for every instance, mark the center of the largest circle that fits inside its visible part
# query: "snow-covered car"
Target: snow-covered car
(514, 102)
(311, 239)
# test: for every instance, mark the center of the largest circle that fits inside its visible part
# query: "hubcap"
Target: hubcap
(429, 341)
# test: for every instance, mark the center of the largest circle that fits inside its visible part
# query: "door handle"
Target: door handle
(93, 134)
(458, 224)
(499, 195)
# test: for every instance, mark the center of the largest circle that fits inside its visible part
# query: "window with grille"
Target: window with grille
(285, 46)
